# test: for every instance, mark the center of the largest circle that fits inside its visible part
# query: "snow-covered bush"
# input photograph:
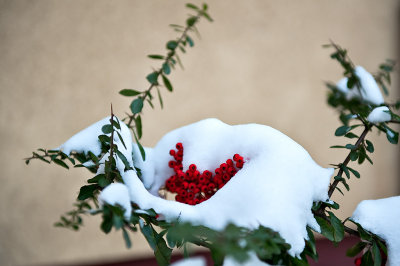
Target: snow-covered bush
(207, 164)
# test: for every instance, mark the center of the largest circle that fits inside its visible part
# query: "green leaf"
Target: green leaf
(367, 259)
(156, 56)
(129, 92)
(353, 155)
(104, 138)
(128, 242)
(311, 241)
(337, 147)
(356, 249)
(192, 6)
(338, 189)
(189, 41)
(161, 251)
(160, 98)
(376, 254)
(106, 129)
(191, 21)
(370, 146)
(167, 83)
(138, 125)
(351, 147)
(87, 192)
(121, 139)
(341, 131)
(338, 227)
(351, 135)
(60, 163)
(115, 123)
(142, 152)
(123, 159)
(326, 229)
(346, 171)
(137, 105)
(171, 45)
(355, 173)
(166, 68)
(150, 103)
(153, 78)
(393, 137)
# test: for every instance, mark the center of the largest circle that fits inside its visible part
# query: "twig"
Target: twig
(347, 160)
(146, 93)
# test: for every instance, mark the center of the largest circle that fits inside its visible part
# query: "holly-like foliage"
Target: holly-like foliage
(233, 241)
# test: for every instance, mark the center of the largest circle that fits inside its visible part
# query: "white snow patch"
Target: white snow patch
(370, 91)
(194, 261)
(117, 193)
(379, 115)
(277, 185)
(252, 261)
(382, 217)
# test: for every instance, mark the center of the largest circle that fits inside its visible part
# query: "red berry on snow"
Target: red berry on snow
(172, 152)
(192, 167)
(179, 146)
(223, 167)
(171, 164)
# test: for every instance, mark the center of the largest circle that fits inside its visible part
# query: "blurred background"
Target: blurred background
(63, 63)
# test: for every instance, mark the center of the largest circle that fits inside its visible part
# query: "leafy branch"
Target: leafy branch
(134, 120)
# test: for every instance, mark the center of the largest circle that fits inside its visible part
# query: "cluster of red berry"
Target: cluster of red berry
(193, 187)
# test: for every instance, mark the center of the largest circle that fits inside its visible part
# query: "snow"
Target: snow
(382, 217)
(370, 91)
(194, 261)
(252, 261)
(117, 193)
(379, 115)
(277, 185)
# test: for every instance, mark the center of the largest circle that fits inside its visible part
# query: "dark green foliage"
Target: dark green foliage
(235, 242)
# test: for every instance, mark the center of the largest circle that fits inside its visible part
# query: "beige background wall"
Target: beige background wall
(63, 63)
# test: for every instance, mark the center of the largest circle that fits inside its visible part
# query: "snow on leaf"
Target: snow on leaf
(381, 217)
(369, 88)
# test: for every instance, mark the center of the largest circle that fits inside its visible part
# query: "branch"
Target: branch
(169, 57)
(346, 161)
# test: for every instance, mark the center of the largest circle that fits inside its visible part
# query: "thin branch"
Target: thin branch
(147, 92)
(347, 160)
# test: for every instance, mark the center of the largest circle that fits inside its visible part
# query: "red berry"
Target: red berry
(357, 261)
(172, 152)
(179, 146)
(229, 162)
(223, 167)
(202, 179)
(239, 165)
(192, 167)
(211, 186)
(218, 171)
(171, 164)
(231, 171)
(236, 157)
(192, 186)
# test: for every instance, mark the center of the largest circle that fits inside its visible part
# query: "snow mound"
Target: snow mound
(379, 115)
(117, 193)
(370, 91)
(276, 186)
(382, 217)
(194, 261)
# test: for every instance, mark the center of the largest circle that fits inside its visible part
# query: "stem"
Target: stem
(347, 160)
